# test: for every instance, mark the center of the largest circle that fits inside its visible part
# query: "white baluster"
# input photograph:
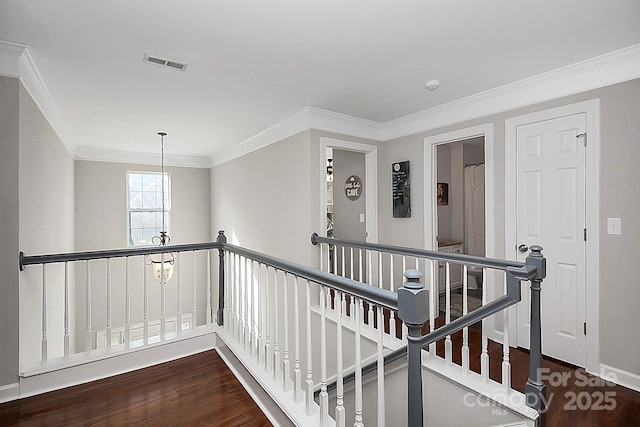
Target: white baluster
(230, 280)
(267, 319)
(45, 356)
(163, 300)
(276, 332)
(323, 398)
(209, 312)
(194, 293)
(179, 294)
(370, 281)
(392, 315)
(127, 304)
(108, 305)
(433, 301)
(246, 287)
(237, 299)
(465, 331)
(344, 300)
(309, 383)
(506, 364)
(448, 345)
(250, 307)
(286, 363)
(351, 263)
(404, 327)
(66, 310)
(297, 375)
(381, 397)
(484, 356)
(340, 411)
(358, 369)
(146, 306)
(261, 316)
(87, 337)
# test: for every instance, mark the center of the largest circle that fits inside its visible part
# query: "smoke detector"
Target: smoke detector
(164, 62)
(432, 85)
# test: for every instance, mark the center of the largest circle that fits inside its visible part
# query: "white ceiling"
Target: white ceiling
(252, 64)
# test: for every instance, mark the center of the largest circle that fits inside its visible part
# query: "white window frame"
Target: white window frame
(158, 209)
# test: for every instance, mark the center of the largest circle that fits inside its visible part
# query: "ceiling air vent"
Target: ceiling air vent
(164, 62)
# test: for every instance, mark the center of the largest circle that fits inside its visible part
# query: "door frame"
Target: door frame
(431, 143)
(591, 109)
(370, 183)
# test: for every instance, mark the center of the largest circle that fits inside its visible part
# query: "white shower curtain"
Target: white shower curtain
(474, 232)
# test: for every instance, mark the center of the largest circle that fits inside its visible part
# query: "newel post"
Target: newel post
(222, 239)
(413, 309)
(535, 388)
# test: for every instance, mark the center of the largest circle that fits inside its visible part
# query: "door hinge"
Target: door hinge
(584, 136)
(585, 327)
(585, 234)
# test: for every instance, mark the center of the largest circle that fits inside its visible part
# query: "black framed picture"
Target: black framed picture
(401, 186)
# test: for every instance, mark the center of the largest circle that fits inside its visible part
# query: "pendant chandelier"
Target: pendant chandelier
(162, 263)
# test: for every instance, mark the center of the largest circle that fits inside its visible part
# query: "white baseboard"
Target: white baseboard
(620, 377)
(118, 364)
(270, 408)
(9, 392)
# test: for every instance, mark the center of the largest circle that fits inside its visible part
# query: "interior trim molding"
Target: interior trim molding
(10, 58)
(9, 392)
(117, 364)
(16, 61)
(620, 377)
(611, 68)
(290, 126)
(305, 119)
(131, 157)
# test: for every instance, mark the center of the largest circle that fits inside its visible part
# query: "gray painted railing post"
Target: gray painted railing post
(535, 388)
(222, 239)
(413, 309)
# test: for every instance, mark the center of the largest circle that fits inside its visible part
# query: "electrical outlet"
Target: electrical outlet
(614, 226)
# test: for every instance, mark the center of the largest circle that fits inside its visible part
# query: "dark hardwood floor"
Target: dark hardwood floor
(197, 390)
(574, 397)
(200, 390)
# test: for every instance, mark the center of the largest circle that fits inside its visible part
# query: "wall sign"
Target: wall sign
(401, 190)
(353, 188)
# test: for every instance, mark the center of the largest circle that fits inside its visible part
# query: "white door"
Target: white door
(551, 214)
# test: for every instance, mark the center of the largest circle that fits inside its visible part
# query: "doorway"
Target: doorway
(346, 150)
(449, 223)
(551, 200)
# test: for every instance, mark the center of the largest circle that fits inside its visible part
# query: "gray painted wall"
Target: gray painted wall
(263, 199)
(9, 229)
(619, 175)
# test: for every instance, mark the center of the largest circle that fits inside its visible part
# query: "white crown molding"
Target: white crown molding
(305, 119)
(611, 68)
(117, 156)
(331, 121)
(16, 61)
(10, 58)
(295, 124)
(34, 84)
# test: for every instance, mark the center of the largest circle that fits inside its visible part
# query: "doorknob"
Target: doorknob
(523, 248)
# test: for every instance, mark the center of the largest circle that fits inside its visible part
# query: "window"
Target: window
(144, 206)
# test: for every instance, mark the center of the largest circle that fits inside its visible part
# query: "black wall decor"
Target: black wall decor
(401, 190)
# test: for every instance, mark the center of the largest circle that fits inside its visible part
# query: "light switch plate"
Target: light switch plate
(614, 226)
(361, 217)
